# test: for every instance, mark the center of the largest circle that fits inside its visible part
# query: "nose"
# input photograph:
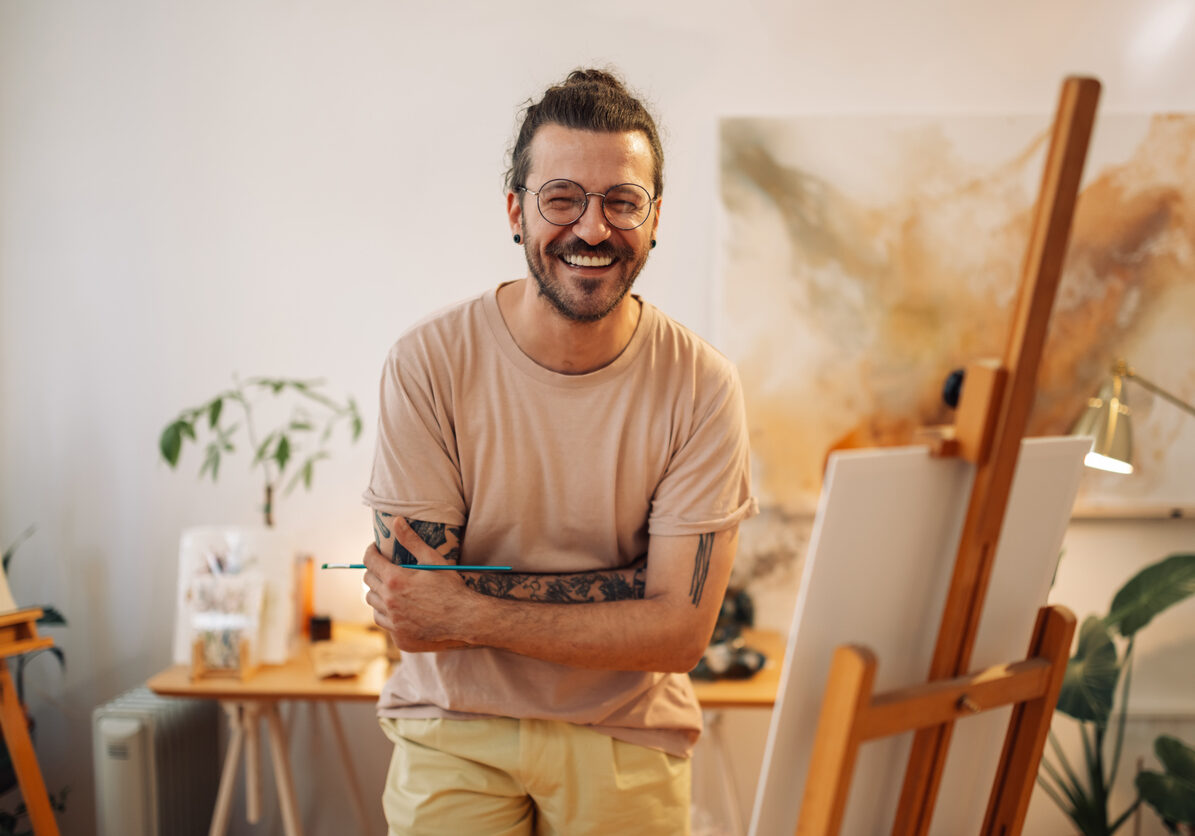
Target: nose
(592, 227)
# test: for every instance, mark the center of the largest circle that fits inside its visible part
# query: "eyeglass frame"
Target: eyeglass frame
(651, 201)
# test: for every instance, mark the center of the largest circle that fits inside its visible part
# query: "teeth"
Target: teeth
(588, 260)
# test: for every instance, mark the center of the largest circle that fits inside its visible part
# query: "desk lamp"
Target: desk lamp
(1106, 419)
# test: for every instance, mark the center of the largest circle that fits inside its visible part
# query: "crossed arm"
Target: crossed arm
(655, 614)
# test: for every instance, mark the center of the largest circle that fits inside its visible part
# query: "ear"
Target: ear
(514, 213)
(655, 221)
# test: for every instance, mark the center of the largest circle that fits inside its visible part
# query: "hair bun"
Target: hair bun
(594, 76)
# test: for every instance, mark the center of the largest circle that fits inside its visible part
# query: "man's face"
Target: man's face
(585, 269)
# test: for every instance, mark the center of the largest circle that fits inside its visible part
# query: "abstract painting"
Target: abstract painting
(865, 257)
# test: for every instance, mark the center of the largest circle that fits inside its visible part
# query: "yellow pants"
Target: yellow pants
(503, 777)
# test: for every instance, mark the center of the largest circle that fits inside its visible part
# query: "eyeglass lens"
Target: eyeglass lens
(562, 202)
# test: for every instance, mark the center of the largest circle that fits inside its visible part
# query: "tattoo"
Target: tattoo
(430, 533)
(701, 567)
(380, 531)
(444, 538)
(569, 588)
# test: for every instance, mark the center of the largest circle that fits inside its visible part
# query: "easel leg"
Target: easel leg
(346, 762)
(1028, 727)
(828, 782)
(282, 773)
(228, 774)
(24, 760)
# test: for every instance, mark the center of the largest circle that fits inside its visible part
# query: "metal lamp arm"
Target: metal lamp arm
(1155, 388)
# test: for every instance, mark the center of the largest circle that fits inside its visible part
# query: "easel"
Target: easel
(18, 634)
(992, 415)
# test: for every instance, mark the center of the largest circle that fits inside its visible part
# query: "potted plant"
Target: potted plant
(236, 604)
(1093, 676)
(14, 822)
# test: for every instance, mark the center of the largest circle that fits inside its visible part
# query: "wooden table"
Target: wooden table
(257, 698)
(757, 692)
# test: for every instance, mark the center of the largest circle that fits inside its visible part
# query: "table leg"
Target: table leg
(251, 715)
(346, 761)
(228, 774)
(730, 794)
(282, 774)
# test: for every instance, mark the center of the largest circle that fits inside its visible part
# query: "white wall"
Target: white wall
(193, 189)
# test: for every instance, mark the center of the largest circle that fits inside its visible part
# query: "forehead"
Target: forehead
(595, 159)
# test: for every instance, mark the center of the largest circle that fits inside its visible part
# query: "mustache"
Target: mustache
(576, 246)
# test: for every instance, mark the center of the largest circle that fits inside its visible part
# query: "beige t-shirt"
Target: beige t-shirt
(556, 473)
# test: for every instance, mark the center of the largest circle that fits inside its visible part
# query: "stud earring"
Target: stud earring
(518, 238)
(653, 243)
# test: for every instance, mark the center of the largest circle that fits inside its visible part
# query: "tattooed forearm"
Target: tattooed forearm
(570, 588)
(701, 567)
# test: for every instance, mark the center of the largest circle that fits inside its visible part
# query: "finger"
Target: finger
(374, 561)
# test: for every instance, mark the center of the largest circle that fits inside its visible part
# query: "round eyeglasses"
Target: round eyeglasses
(563, 202)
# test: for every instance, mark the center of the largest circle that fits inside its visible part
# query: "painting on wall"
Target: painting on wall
(866, 257)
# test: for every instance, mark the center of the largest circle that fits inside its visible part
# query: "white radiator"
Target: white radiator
(156, 764)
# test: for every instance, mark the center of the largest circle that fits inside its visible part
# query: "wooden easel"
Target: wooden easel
(18, 634)
(992, 415)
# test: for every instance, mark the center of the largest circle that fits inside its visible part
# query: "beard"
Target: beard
(582, 300)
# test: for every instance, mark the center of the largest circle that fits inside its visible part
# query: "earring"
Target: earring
(518, 238)
(653, 243)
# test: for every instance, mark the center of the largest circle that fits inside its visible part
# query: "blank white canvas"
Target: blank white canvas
(880, 560)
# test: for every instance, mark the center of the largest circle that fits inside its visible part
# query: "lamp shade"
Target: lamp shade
(1106, 420)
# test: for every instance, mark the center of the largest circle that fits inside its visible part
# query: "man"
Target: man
(562, 426)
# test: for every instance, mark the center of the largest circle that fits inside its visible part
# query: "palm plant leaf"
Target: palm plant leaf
(1150, 591)
(1171, 794)
(1091, 675)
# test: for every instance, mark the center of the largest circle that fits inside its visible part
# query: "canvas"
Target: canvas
(877, 573)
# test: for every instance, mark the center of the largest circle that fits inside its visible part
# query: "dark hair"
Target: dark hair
(588, 100)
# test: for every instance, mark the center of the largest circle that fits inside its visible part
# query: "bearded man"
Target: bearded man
(564, 427)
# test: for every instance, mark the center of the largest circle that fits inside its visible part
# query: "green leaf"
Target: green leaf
(211, 461)
(50, 616)
(12, 548)
(1150, 591)
(1091, 675)
(1171, 794)
(302, 426)
(1177, 757)
(263, 449)
(282, 451)
(356, 419)
(171, 442)
(213, 412)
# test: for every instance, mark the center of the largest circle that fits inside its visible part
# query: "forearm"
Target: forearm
(667, 629)
(648, 634)
(623, 583)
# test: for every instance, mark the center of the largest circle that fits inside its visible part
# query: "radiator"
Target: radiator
(156, 764)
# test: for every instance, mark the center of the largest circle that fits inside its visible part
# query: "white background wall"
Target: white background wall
(189, 190)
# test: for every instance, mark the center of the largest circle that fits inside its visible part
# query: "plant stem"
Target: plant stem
(1127, 677)
(268, 508)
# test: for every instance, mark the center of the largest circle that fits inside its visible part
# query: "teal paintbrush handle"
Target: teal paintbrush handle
(430, 566)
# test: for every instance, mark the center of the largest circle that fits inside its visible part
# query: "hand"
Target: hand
(413, 606)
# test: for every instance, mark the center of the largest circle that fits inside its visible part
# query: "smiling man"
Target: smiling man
(565, 427)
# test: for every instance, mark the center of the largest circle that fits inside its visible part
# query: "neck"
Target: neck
(561, 344)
